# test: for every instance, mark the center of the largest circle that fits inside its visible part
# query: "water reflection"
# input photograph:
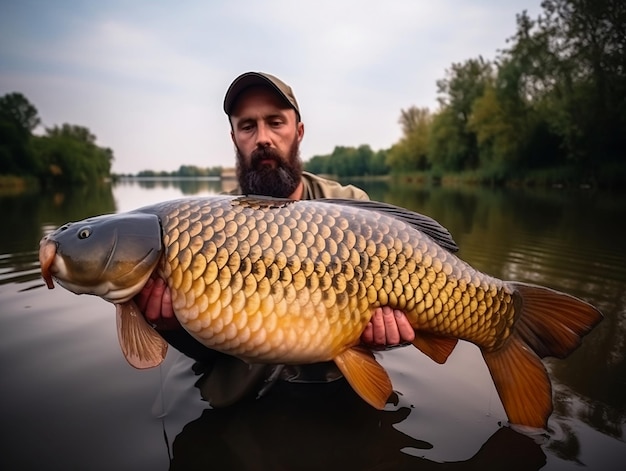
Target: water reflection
(324, 427)
(19, 268)
(187, 186)
(28, 215)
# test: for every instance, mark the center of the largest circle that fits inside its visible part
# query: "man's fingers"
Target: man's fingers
(387, 327)
(391, 333)
(378, 328)
(141, 299)
(368, 334)
(406, 331)
(167, 311)
(152, 310)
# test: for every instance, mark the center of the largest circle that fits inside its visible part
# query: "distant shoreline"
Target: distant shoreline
(172, 177)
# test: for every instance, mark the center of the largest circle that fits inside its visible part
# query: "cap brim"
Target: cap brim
(244, 81)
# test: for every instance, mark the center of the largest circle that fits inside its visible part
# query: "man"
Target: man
(266, 129)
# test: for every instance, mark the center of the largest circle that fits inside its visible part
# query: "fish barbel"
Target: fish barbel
(296, 282)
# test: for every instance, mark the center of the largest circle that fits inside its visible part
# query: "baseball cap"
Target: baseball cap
(249, 79)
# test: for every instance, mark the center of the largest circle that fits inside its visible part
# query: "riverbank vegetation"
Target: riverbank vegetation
(550, 109)
(65, 154)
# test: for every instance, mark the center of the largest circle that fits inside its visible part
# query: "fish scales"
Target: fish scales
(315, 279)
(280, 281)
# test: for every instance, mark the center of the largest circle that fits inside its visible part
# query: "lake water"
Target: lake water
(70, 400)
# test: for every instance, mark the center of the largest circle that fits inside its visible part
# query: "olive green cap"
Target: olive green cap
(250, 79)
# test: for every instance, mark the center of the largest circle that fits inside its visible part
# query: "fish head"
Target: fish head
(110, 256)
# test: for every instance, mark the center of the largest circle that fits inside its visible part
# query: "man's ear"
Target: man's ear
(300, 130)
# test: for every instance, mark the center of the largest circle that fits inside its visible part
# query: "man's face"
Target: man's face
(267, 137)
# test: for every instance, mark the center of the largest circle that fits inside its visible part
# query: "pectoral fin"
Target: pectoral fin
(435, 347)
(141, 345)
(366, 376)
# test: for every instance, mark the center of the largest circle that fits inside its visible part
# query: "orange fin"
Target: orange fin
(522, 383)
(141, 345)
(553, 323)
(550, 324)
(366, 376)
(436, 347)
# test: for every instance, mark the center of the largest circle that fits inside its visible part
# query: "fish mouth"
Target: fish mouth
(53, 268)
(47, 254)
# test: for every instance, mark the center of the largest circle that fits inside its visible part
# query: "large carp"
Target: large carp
(295, 282)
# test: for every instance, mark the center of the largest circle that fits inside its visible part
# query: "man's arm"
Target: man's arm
(386, 328)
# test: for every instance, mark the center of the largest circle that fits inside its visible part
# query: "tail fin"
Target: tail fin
(551, 324)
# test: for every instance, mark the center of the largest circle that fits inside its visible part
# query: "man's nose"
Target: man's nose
(262, 136)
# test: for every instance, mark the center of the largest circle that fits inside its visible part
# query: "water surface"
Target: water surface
(70, 401)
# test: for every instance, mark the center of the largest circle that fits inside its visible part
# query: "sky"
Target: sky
(148, 78)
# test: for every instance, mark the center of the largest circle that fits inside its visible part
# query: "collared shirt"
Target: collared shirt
(316, 187)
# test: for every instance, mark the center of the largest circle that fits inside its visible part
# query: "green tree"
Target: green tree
(378, 163)
(524, 135)
(453, 145)
(349, 162)
(191, 171)
(411, 152)
(317, 164)
(15, 108)
(70, 154)
(496, 135)
(448, 148)
(18, 118)
(574, 72)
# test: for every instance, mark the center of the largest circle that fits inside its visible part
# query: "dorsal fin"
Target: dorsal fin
(426, 224)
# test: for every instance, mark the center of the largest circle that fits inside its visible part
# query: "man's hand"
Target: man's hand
(387, 327)
(155, 301)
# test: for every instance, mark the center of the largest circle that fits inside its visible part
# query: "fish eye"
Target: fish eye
(84, 233)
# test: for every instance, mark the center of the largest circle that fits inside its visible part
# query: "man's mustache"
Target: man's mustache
(264, 153)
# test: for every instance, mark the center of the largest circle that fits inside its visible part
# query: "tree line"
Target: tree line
(555, 98)
(64, 154)
(186, 171)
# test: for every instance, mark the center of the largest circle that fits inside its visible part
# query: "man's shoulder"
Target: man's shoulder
(316, 187)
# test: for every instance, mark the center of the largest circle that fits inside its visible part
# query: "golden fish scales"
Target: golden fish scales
(289, 284)
(296, 282)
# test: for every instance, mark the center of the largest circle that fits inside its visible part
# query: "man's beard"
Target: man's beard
(279, 180)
